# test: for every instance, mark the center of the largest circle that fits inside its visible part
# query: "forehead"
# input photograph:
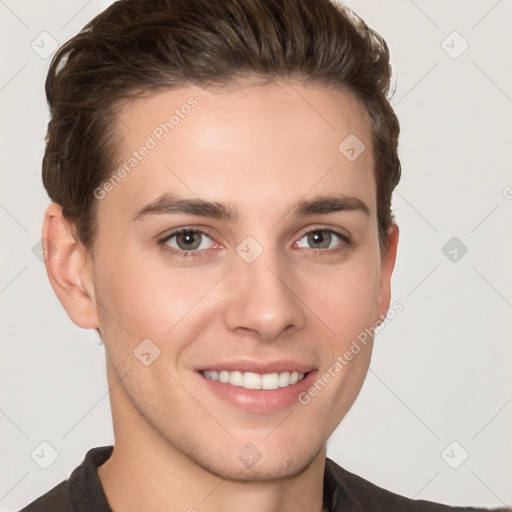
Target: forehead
(250, 146)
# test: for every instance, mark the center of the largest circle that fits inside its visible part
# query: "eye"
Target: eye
(188, 240)
(323, 239)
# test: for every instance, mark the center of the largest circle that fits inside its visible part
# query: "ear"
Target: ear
(70, 269)
(386, 270)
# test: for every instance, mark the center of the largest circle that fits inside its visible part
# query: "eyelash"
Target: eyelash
(162, 242)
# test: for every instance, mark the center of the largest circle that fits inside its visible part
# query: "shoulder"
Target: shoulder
(81, 492)
(343, 486)
(55, 500)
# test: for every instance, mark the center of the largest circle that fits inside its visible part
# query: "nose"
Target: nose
(264, 299)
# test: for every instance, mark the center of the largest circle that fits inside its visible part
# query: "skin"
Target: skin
(259, 149)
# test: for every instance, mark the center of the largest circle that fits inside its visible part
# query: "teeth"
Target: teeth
(250, 380)
(284, 379)
(270, 381)
(236, 378)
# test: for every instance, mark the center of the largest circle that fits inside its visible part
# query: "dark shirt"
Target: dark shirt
(343, 492)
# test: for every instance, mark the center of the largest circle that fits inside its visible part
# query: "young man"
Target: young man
(221, 175)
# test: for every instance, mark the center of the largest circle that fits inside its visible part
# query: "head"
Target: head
(264, 128)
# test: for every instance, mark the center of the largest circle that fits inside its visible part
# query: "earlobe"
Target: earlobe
(69, 268)
(387, 265)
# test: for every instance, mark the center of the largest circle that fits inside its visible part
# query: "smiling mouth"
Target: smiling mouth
(250, 380)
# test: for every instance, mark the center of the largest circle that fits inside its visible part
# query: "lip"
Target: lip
(245, 365)
(258, 400)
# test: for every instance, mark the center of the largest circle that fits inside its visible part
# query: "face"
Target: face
(239, 250)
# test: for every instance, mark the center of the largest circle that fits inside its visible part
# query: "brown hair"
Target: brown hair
(142, 46)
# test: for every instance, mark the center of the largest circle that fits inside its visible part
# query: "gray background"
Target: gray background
(439, 387)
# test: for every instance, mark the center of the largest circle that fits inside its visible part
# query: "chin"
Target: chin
(251, 465)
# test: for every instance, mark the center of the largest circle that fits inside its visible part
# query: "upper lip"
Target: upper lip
(262, 367)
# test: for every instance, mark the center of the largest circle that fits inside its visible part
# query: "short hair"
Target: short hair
(140, 47)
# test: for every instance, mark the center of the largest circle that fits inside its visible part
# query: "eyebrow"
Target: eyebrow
(168, 204)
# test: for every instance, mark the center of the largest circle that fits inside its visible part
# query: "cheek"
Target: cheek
(346, 303)
(148, 299)
(346, 298)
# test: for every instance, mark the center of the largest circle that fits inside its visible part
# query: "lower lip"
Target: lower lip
(260, 400)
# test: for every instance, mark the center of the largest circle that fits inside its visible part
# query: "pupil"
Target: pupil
(318, 238)
(186, 240)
